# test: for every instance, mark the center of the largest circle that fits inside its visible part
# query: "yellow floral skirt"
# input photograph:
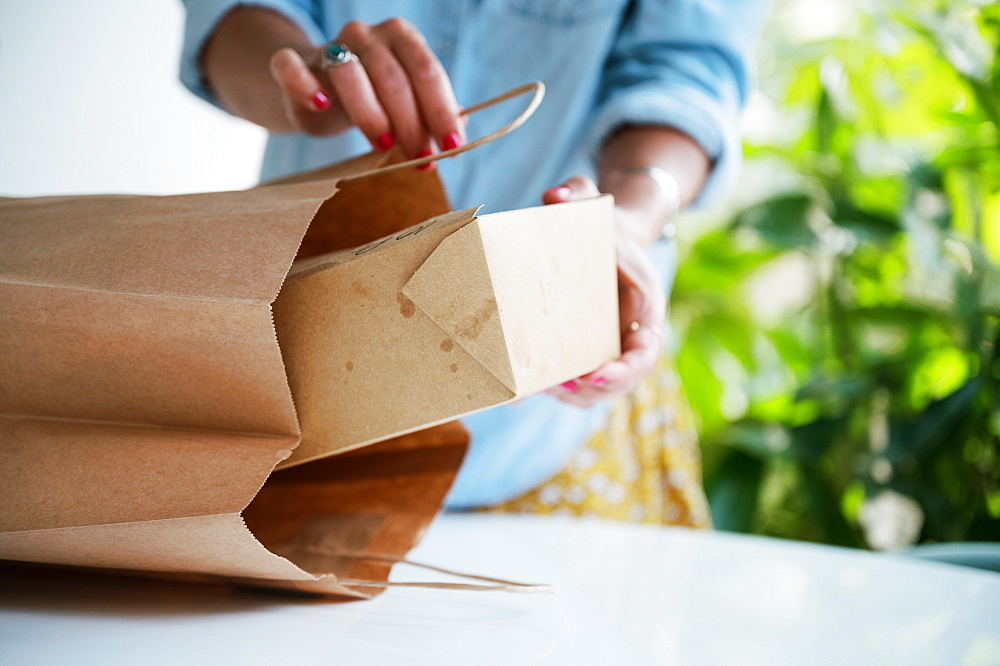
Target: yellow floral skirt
(642, 466)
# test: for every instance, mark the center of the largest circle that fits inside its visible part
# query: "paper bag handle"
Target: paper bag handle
(537, 88)
(496, 584)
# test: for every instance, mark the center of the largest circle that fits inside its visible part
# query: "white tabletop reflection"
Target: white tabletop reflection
(626, 595)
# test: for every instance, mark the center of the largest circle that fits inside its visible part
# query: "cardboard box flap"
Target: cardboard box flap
(455, 289)
(516, 289)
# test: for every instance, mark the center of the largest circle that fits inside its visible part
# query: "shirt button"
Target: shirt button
(446, 46)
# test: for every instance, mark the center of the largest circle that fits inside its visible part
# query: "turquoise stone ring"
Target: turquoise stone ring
(335, 55)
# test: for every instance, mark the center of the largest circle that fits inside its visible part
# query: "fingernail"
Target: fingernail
(570, 386)
(424, 167)
(562, 192)
(320, 101)
(451, 140)
(385, 142)
(598, 381)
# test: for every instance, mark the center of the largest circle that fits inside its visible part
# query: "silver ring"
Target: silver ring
(335, 55)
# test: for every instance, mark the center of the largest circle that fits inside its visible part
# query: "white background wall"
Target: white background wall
(90, 102)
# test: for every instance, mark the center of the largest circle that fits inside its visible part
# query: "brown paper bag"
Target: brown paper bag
(146, 397)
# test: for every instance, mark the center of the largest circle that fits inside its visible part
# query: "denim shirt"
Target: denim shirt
(680, 63)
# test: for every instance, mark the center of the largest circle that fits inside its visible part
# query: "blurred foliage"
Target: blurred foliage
(838, 332)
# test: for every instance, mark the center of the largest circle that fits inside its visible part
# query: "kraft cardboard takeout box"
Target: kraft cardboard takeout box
(147, 399)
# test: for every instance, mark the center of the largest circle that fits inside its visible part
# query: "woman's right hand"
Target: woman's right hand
(396, 91)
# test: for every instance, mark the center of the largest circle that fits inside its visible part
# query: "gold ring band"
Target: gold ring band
(635, 326)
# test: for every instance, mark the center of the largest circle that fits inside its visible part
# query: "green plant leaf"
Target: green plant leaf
(761, 440)
(843, 391)
(702, 387)
(826, 121)
(733, 334)
(867, 225)
(825, 513)
(811, 441)
(783, 221)
(733, 492)
(915, 439)
(886, 158)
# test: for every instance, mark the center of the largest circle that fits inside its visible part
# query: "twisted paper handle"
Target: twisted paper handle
(537, 89)
(498, 584)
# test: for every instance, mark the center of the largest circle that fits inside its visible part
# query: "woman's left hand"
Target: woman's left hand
(640, 299)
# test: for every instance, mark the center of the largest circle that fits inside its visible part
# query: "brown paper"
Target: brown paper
(147, 397)
(478, 311)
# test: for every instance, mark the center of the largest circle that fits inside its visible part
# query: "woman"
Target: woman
(642, 102)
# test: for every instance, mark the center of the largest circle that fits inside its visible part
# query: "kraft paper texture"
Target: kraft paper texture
(241, 385)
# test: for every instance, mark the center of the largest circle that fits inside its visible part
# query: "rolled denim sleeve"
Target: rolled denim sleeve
(202, 16)
(684, 64)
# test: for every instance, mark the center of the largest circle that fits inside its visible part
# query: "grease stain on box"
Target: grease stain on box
(406, 306)
(471, 328)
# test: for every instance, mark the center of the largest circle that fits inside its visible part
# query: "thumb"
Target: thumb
(577, 187)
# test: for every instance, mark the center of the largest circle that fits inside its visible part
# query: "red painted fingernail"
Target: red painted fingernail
(320, 101)
(424, 167)
(599, 381)
(385, 142)
(570, 386)
(451, 140)
(562, 192)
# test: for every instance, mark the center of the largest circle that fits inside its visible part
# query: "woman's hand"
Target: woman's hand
(395, 90)
(640, 299)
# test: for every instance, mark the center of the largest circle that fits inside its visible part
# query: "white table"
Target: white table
(626, 595)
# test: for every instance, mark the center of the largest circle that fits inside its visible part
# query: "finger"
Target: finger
(577, 187)
(351, 84)
(434, 94)
(312, 115)
(395, 93)
(640, 300)
(353, 88)
(558, 194)
(641, 349)
(297, 82)
(574, 393)
(640, 295)
(579, 395)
